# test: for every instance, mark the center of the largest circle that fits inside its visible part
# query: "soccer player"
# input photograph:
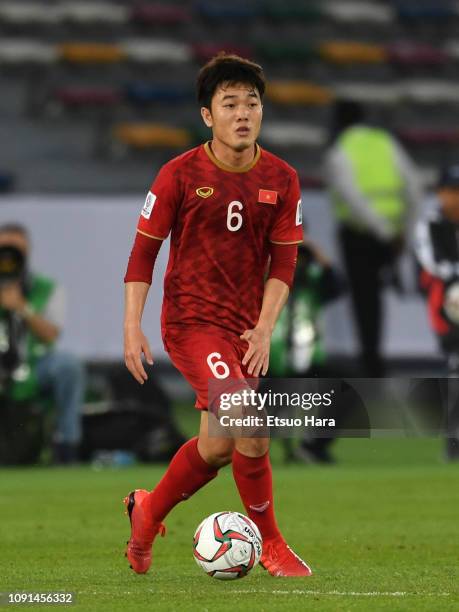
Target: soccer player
(234, 213)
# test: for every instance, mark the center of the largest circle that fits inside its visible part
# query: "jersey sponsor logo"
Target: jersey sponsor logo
(148, 206)
(265, 196)
(205, 192)
(299, 214)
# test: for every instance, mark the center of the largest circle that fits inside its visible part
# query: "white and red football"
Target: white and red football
(227, 545)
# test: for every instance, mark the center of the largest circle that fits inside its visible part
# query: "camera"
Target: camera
(12, 267)
(12, 264)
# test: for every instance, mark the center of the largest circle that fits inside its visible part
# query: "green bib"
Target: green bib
(372, 157)
(25, 383)
(296, 344)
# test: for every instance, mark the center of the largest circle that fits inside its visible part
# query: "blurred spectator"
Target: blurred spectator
(297, 351)
(31, 319)
(375, 191)
(437, 250)
(296, 345)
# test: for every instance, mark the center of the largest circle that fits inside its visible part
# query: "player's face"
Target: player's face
(235, 116)
(449, 197)
(15, 239)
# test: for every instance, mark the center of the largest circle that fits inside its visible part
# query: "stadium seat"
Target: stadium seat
(29, 13)
(85, 12)
(159, 14)
(146, 51)
(203, 52)
(452, 49)
(289, 10)
(227, 12)
(429, 136)
(425, 10)
(359, 11)
(368, 93)
(77, 97)
(141, 93)
(292, 134)
(310, 181)
(91, 53)
(413, 54)
(285, 51)
(352, 53)
(150, 135)
(17, 51)
(299, 93)
(430, 91)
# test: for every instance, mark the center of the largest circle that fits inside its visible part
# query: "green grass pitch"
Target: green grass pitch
(380, 530)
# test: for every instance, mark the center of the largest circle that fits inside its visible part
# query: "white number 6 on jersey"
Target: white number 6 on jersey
(234, 216)
(215, 366)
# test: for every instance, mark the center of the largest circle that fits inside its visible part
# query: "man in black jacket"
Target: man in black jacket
(437, 251)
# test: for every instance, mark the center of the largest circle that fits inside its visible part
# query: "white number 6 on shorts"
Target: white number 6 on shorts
(216, 367)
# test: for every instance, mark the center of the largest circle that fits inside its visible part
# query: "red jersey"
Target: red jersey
(222, 221)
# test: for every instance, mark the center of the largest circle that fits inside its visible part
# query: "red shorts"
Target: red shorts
(208, 355)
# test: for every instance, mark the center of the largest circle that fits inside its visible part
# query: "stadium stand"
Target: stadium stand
(228, 12)
(302, 93)
(26, 13)
(23, 51)
(144, 93)
(412, 54)
(112, 62)
(350, 12)
(292, 134)
(159, 15)
(93, 12)
(430, 91)
(148, 135)
(293, 11)
(452, 49)
(90, 53)
(278, 52)
(424, 11)
(77, 97)
(146, 51)
(202, 52)
(352, 53)
(426, 136)
(371, 94)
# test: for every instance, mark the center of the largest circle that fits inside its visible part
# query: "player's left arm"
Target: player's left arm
(286, 234)
(259, 338)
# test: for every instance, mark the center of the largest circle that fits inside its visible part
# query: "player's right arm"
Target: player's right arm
(155, 222)
(135, 342)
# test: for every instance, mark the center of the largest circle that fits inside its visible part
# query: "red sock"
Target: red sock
(253, 476)
(186, 474)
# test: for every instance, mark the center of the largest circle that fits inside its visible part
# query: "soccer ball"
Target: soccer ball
(227, 545)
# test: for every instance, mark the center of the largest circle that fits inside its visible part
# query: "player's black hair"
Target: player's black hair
(231, 69)
(14, 228)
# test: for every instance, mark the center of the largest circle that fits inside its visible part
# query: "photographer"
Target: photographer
(31, 319)
(437, 251)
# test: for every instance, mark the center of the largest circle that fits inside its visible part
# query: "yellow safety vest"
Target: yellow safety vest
(372, 156)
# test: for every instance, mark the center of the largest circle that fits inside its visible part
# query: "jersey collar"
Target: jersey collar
(224, 166)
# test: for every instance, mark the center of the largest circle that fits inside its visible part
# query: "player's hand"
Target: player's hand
(257, 355)
(136, 344)
(11, 297)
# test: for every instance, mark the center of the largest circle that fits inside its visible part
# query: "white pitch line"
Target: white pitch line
(295, 592)
(357, 594)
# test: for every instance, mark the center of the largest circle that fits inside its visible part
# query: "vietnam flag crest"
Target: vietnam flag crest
(265, 196)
